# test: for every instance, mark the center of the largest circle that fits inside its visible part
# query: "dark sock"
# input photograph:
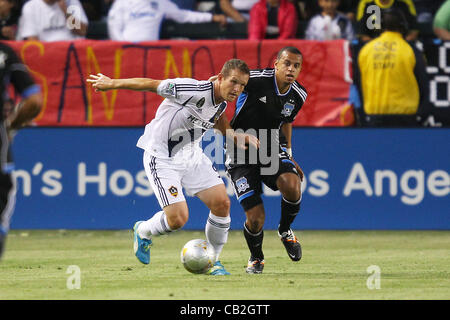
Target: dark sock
(289, 211)
(2, 243)
(254, 242)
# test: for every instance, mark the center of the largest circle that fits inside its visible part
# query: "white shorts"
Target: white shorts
(168, 176)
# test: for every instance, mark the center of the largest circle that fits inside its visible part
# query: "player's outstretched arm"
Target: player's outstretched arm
(100, 82)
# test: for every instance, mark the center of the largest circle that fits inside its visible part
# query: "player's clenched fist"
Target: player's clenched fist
(100, 82)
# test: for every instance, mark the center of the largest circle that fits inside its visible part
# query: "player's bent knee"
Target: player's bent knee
(177, 216)
(221, 207)
(177, 222)
(289, 187)
(255, 223)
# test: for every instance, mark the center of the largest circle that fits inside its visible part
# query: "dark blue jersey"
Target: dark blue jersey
(13, 71)
(262, 106)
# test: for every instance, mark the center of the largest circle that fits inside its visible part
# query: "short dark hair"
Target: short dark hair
(232, 64)
(393, 19)
(289, 49)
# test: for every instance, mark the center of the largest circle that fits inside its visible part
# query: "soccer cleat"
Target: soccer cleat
(255, 265)
(218, 270)
(141, 246)
(293, 247)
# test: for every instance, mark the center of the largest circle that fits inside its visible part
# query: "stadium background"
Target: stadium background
(79, 167)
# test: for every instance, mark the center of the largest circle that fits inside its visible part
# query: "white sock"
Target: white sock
(216, 231)
(155, 226)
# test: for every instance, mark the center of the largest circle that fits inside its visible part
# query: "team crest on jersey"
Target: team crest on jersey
(242, 184)
(200, 102)
(287, 109)
(173, 191)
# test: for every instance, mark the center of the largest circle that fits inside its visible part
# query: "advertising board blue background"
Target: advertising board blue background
(77, 178)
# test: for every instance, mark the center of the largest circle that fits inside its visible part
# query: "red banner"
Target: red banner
(61, 68)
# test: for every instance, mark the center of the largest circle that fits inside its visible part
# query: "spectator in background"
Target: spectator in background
(137, 20)
(441, 23)
(8, 19)
(310, 8)
(96, 10)
(306, 9)
(237, 10)
(390, 75)
(348, 7)
(52, 20)
(368, 26)
(329, 24)
(272, 19)
(426, 10)
(186, 4)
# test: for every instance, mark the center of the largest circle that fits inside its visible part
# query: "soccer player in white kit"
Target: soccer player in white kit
(173, 158)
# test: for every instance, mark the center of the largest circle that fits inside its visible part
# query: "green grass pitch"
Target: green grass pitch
(412, 265)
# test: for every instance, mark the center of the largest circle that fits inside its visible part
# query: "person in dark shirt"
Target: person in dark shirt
(11, 119)
(9, 16)
(270, 101)
(368, 17)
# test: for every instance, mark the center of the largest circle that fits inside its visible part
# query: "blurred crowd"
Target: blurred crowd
(139, 20)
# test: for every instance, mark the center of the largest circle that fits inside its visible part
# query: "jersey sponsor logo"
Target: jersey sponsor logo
(173, 191)
(263, 99)
(200, 123)
(242, 184)
(287, 109)
(200, 102)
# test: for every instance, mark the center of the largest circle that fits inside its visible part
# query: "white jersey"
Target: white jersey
(323, 27)
(138, 20)
(187, 111)
(243, 5)
(48, 22)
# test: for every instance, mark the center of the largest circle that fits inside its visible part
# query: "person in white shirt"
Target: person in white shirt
(52, 20)
(137, 20)
(329, 24)
(173, 159)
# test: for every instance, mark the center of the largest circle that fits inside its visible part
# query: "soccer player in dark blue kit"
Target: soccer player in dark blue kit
(270, 103)
(13, 71)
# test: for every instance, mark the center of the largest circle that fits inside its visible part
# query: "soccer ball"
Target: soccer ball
(196, 256)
